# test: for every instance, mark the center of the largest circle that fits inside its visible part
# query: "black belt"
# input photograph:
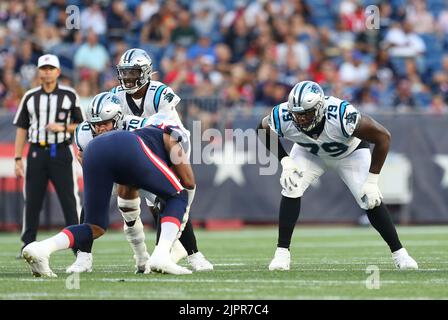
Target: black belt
(48, 145)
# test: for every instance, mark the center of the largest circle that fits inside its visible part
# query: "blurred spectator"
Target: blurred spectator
(118, 20)
(418, 16)
(91, 59)
(26, 64)
(438, 105)
(403, 96)
(206, 72)
(239, 92)
(15, 18)
(442, 22)
(86, 94)
(184, 34)
(178, 72)
(93, 18)
(402, 41)
(353, 72)
(223, 58)
(155, 32)
(202, 48)
(147, 9)
(352, 15)
(205, 23)
(293, 49)
(238, 39)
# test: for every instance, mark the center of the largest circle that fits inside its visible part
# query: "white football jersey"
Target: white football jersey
(158, 98)
(334, 142)
(84, 133)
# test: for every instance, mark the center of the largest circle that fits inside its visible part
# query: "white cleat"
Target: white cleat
(37, 257)
(403, 260)
(199, 263)
(178, 252)
(281, 260)
(141, 263)
(83, 263)
(161, 262)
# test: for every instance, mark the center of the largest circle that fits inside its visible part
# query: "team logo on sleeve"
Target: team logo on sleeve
(351, 118)
(169, 97)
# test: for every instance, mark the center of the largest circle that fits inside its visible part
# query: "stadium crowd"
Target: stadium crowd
(236, 53)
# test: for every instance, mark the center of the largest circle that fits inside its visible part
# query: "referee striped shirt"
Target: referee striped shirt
(38, 108)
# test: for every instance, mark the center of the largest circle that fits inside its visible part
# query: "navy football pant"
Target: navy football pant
(122, 157)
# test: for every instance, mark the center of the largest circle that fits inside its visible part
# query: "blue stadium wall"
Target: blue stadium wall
(421, 140)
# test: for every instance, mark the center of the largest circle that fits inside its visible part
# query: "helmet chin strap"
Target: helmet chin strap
(134, 90)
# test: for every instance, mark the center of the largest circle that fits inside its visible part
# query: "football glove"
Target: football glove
(290, 177)
(370, 193)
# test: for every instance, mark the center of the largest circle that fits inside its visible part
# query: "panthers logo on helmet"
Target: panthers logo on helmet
(314, 89)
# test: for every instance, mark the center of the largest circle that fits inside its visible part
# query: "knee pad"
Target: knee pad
(129, 209)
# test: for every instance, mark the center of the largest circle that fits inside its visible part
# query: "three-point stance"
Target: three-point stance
(329, 133)
(151, 152)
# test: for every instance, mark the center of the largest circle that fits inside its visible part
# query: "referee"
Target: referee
(47, 115)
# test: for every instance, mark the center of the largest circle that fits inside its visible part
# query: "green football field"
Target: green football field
(327, 263)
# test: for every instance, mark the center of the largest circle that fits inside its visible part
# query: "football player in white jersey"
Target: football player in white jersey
(104, 114)
(141, 96)
(328, 133)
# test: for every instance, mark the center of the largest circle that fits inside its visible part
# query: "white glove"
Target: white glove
(290, 177)
(370, 193)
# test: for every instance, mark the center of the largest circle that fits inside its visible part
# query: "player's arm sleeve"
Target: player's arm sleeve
(22, 117)
(76, 114)
(274, 121)
(349, 118)
(269, 139)
(165, 99)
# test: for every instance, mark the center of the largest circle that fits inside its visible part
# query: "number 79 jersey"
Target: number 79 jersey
(334, 142)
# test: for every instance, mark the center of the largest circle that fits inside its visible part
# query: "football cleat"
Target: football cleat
(147, 267)
(178, 252)
(83, 263)
(199, 263)
(141, 263)
(403, 260)
(37, 257)
(281, 260)
(161, 262)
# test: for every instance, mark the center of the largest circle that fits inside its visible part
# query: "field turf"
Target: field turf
(327, 263)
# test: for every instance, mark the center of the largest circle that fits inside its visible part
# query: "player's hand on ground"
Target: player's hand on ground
(370, 193)
(290, 177)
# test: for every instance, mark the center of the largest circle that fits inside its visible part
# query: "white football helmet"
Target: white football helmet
(306, 103)
(104, 107)
(134, 70)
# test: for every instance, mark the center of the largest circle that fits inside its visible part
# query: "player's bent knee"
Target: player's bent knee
(97, 231)
(129, 209)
